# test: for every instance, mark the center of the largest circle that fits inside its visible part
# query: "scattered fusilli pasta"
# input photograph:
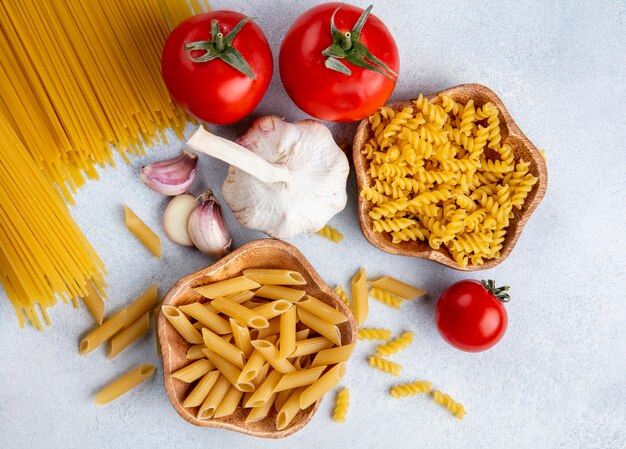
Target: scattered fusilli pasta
(342, 294)
(374, 334)
(385, 365)
(341, 406)
(453, 407)
(395, 345)
(386, 298)
(410, 389)
(331, 234)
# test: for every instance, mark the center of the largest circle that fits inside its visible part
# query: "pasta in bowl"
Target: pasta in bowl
(448, 177)
(253, 342)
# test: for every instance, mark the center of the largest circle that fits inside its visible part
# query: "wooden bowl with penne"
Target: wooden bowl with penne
(253, 342)
(448, 177)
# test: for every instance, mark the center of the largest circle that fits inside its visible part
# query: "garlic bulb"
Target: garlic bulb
(207, 229)
(285, 178)
(171, 177)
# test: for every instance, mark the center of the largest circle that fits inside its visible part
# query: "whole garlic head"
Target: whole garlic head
(289, 179)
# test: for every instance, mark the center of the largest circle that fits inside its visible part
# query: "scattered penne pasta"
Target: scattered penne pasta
(94, 302)
(124, 383)
(129, 335)
(143, 233)
(103, 332)
(360, 305)
(397, 287)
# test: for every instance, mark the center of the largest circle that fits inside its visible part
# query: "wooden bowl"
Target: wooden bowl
(511, 134)
(265, 253)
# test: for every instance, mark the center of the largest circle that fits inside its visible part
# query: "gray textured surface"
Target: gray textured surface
(557, 378)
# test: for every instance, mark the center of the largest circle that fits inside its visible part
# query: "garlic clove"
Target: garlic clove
(176, 218)
(171, 177)
(207, 229)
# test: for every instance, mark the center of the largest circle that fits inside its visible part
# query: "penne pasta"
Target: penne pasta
(240, 297)
(330, 331)
(265, 390)
(182, 325)
(266, 276)
(143, 233)
(289, 409)
(273, 328)
(195, 352)
(228, 370)
(260, 377)
(299, 378)
(334, 355)
(214, 398)
(360, 304)
(241, 334)
(281, 398)
(260, 412)
(199, 393)
(273, 309)
(194, 371)
(207, 317)
(322, 310)
(303, 334)
(302, 362)
(397, 287)
(278, 292)
(287, 336)
(94, 302)
(272, 356)
(144, 303)
(311, 346)
(228, 351)
(129, 335)
(322, 385)
(124, 383)
(226, 287)
(103, 332)
(252, 367)
(240, 313)
(229, 403)
(256, 302)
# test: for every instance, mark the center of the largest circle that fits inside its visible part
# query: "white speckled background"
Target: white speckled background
(557, 379)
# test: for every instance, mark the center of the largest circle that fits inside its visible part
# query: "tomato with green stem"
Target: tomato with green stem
(470, 315)
(339, 62)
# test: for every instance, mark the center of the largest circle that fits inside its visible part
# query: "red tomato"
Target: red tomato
(216, 91)
(470, 317)
(329, 94)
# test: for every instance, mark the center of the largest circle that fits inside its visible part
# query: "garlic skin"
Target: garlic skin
(291, 181)
(207, 229)
(171, 177)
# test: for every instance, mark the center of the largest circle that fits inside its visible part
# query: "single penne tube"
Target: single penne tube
(311, 346)
(103, 332)
(282, 398)
(322, 310)
(360, 304)
(194, 371)
(270, 276)
(278, 292)
(240, 297)
(240, 313)
(195, 352)
(303, 334)
(397, 287)
(272, 356)
(264, 390)
(252, 367)
(207, 317)
(213, 399)
(289, 409)
(124, 383)
(287, 336)
(260, 412)
(322, 385)
(299, 378)
(273, 328)
(94, 302)
(143, 233)
(182, 325)
(228, 370)
(333, 356)
(330, 331)
(227, 287)
(229, 403)
(241, 335)
(144, 303)
(199, 393)
(125, 338)
(273, 309)
(228, 351)
(260, 377)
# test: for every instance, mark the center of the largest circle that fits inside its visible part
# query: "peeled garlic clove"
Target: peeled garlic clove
(207, 229)
(176, 219)
(171, 177)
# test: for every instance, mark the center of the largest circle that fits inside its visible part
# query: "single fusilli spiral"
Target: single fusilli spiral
(341, 405)
(374, 334)
(400, 391)
(342, 294)
(385, 365)
(453, 407)
(331, 234)
(386, 297)
(395, 345)
(388, 209)
(393, 224)
(413, 233)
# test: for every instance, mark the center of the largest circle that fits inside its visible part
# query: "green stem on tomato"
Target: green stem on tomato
(499, 292)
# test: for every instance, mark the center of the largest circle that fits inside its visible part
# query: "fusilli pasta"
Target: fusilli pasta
(374, 334)
(331, 234)
(411, 389)
(386, 298)
(341, 406)
(453, 407)
(395, 345)
(385, 365)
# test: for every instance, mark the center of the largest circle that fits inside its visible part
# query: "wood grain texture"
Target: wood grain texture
(511, 134)
(265, 253)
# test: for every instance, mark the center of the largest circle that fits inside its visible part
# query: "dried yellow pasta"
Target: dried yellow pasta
(342, 404)
(280, 292)
(323, 310)
(397, 287)
(94, 302)
(386, 298)
(265, 276)
(227, 287)
(143, 233)
(410, 389)
(199, 393)
(374, 334)
(182, 325)
(129, 335)
(299, 378)
(342, 294)
(124, 383)
(333, 356)
(450, 404)
(360, 306)
(311, 346)
(214, 398)
(207, 317)
(194, 371)
(103, 332)
(331, 234)
(385, 365)
(395, 345)
(328, 330)
(323, 385)
(230, 352)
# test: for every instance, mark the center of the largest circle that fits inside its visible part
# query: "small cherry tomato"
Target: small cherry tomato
(217, 66)
(339, 62)
(470, 315)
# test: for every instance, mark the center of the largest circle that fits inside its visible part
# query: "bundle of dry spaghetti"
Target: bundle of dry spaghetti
(77, 78)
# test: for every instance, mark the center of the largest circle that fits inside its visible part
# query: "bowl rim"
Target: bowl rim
(442, 256)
